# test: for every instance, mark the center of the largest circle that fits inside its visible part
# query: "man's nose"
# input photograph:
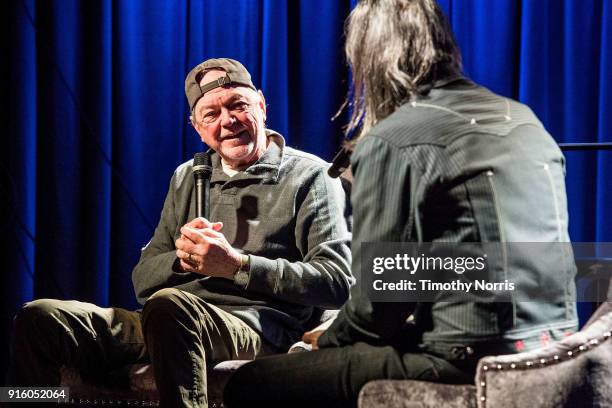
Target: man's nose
(227, 118)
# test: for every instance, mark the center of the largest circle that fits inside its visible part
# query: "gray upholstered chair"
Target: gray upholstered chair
(573, 372)
(134, 386)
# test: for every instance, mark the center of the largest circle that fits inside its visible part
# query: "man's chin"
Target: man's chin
(238, 157)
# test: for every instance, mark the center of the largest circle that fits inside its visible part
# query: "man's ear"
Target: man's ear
(262, 104)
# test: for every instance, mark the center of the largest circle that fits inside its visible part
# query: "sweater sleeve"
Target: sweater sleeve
(158, 265)
(322, 234)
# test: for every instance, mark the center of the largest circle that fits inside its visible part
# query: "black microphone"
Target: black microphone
(341, 162)
(202, 171)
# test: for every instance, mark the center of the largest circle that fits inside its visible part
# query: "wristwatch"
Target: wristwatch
(243, 274)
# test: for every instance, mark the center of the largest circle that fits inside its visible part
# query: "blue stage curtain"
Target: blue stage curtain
(95, 119)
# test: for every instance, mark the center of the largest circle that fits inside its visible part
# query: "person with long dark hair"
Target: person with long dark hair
(437, 159)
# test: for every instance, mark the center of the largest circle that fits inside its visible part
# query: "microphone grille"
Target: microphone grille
(202, 164)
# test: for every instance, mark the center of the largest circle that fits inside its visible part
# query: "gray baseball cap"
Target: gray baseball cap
(236, 74)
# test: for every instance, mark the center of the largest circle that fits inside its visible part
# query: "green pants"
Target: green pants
(177, 332)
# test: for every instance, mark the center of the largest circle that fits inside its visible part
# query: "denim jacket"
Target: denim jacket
(462, 164)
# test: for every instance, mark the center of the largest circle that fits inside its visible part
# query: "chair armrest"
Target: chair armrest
(415, 394)
(572, 372)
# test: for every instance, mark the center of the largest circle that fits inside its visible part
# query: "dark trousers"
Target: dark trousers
(177, 332)
(332, 377)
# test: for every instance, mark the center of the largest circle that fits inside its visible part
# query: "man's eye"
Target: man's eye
(239, 106)
(209, 115)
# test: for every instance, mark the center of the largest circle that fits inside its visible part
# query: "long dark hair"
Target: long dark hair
(394, 47)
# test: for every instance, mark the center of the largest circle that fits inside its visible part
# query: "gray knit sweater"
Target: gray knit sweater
(288, 215)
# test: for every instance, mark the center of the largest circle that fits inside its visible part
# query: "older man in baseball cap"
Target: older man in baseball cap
(238, 285)
(236, 133)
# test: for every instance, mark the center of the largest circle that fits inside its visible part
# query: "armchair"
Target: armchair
(573, 372)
